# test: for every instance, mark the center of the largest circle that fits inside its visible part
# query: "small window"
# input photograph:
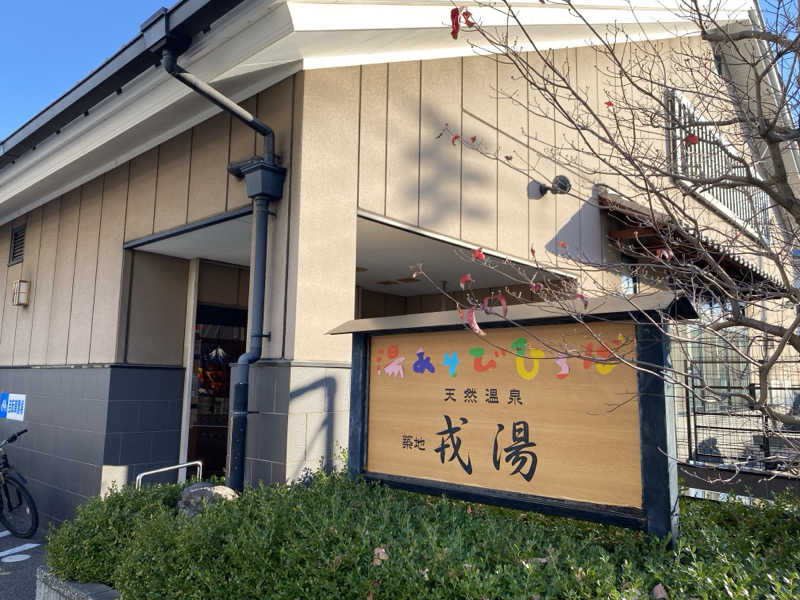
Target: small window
(17, 251)
(711, 157)
(629, 278)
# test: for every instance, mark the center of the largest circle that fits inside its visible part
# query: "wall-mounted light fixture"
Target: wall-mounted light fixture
(560, 185)
(20, 292)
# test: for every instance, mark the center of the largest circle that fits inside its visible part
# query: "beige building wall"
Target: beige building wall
(411, 171)
(157, 309)
(74, 257)
(370, 139)
(300, 392)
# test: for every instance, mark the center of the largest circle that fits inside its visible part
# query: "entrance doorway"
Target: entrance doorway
(220, 334)
(219, 339)
(218, 253)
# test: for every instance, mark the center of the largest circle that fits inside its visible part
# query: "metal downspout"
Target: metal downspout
(264, 182)
(240, 382)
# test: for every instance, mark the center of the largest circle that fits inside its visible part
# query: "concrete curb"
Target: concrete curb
(50, 587)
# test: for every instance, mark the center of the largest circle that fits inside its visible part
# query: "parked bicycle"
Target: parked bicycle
(17, 508)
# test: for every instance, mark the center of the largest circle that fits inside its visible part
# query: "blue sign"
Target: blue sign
(12, 406)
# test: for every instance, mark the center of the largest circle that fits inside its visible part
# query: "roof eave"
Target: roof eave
(188, 17)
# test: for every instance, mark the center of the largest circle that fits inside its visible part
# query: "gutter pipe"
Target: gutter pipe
(170, 64)
(240, 380)
(264, 179)
(187, 18)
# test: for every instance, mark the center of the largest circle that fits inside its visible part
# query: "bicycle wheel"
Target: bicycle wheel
(17, 509)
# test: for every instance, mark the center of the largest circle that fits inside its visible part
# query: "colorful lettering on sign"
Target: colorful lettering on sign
(423, 363)
(519, 346)
(561, 361)
(452, 441)
(478, 363)
(451, 360)
(392, 352)
(518, 453)
(526, 360)
(602, 353)
(395, 368)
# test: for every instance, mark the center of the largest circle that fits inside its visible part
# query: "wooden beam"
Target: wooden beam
(633, 233)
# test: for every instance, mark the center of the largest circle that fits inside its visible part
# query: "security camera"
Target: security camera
(560, 185)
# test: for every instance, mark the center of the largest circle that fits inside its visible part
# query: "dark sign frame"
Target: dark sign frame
(659, 513)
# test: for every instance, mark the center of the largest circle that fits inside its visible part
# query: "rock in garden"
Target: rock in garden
(660, 592)
(197, 496)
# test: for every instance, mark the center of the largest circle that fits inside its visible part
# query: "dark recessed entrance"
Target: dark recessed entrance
(219, 340)
(218, 254)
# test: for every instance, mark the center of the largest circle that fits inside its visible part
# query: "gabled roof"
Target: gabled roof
(132, 59)
(125, 106)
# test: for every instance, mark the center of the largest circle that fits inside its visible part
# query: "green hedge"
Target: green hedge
(340, 539)
(89, 547)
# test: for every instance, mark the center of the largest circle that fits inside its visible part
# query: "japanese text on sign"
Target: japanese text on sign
(545, 411)
(12, 406)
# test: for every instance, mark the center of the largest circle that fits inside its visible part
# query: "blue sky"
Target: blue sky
(49, 45)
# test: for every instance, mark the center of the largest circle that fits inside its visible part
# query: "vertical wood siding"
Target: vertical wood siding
(63, 279)
(74, 255)
(407, 171)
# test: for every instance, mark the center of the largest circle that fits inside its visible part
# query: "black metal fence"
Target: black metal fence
(716, 421)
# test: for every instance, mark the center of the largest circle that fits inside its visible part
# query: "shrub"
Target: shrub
(335, 538)
(219, 553)
(88, 547)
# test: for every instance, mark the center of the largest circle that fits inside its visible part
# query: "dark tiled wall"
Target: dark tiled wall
(82, 418)
(144, 418)
(62, 454)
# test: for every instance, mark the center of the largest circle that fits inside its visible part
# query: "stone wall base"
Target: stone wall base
(50, 587)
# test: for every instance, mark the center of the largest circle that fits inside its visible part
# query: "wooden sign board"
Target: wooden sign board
(445, 406)
(540, 417)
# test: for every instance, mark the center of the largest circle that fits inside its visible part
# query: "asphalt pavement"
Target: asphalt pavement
(18, 562)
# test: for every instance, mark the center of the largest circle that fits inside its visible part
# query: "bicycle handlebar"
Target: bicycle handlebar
(12, 438)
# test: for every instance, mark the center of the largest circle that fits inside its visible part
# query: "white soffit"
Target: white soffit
(227, 242)
(385, 254)
(344, 33)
